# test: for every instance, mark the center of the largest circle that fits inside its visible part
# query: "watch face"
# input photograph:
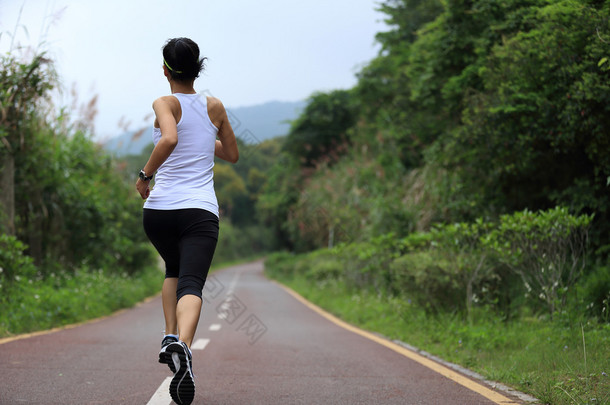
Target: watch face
(144, 177)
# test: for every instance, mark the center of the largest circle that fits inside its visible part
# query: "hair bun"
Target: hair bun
(181, 56)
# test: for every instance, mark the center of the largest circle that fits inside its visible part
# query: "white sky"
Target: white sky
(258, 51)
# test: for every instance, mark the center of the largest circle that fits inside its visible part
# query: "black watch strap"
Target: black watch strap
(144, 177)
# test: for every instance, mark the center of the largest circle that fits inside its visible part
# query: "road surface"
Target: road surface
(256, 344)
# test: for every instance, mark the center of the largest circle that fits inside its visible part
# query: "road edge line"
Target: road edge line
(445, 371)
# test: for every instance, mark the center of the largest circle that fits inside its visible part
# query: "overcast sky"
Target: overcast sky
(258, 51)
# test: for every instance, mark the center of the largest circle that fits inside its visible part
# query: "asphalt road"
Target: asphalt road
(256, 344)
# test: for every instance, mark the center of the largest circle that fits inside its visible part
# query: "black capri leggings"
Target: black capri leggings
(186, 240)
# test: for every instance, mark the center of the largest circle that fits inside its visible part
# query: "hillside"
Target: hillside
(252, 124)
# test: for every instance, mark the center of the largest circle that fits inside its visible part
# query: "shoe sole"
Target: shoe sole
(166, 358)
(182, 387)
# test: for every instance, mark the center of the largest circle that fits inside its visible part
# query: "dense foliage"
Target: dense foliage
(72, 204)
(68, 212)
(473, 110)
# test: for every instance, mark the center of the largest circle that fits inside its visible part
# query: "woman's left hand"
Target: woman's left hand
(143, 189)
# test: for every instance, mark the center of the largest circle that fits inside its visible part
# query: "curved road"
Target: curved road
(256, 344)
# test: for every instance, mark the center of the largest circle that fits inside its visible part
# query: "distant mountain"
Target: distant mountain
(260, 122)
(251, 124)
(129, 143)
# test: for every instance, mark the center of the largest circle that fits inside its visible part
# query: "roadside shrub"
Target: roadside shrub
(425, 277)
(241, 242)
(457, 267)
(324, 267)
(13, 262)
(280, 265)
(595, 291)
(367, 264)
(547, 249)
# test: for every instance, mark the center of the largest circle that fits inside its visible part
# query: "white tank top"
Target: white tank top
(186, 178)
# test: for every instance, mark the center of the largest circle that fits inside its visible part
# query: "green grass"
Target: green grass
(543, 359)
(32, 305)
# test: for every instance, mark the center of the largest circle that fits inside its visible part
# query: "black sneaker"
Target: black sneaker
(182, 387)
(164, 357)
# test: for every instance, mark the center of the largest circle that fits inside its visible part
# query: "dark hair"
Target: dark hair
(181, 56)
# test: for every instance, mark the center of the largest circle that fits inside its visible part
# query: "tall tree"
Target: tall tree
(23, 86)
(321, 131)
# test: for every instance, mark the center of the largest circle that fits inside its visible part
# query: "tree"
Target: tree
(24, 86)
(321, 131)
(536, 134)
(278, 195)
(384, 87)
(62, 195)
(229, 187)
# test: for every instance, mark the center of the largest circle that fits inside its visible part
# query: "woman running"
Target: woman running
(181, 212)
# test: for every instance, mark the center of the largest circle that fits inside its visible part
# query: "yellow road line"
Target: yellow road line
(442, 370)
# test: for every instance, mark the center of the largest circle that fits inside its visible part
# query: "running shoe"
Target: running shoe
(182, 387)
(164, 357)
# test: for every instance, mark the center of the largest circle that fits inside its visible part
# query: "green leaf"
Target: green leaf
(602, 61)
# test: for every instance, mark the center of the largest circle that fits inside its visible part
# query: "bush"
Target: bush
(323, 265)
(547, 249)
(595, 291)
(14, 264)
(456, 267)
(280, 265)
(235, 242)
(426, 279)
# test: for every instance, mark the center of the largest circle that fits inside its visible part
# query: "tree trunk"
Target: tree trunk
(7, 194)
(331, 236)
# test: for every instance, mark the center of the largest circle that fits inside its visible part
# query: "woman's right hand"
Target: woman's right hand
(143, 188)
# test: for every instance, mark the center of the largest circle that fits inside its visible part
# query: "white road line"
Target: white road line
(214, 327)
(233, 283)
(161, 396)
(200, 344)
(225, 306)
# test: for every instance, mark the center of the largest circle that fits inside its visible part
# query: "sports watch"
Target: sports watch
(144, 177)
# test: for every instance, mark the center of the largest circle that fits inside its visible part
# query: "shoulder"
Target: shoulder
(166, 101)
(216, 112)
(167, 104)
(215, 105)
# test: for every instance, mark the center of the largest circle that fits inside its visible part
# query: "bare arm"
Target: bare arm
(165, 114)
(226, 144)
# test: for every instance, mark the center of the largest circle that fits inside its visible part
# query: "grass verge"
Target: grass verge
(557, 363)
(32, 305)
